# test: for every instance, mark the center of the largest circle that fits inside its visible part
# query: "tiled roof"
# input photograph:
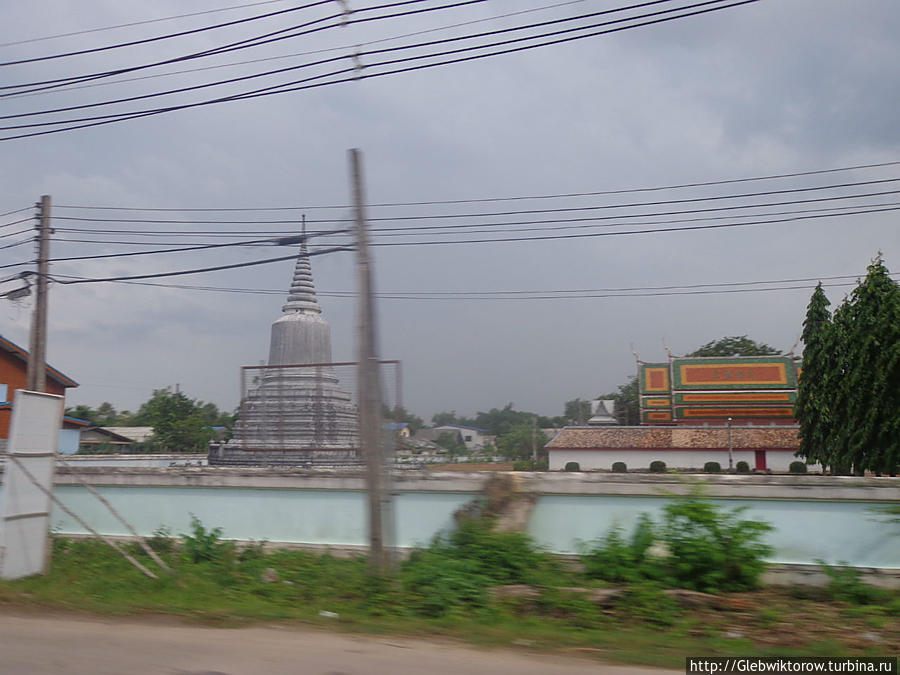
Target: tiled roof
(13, 348)
(583, 438)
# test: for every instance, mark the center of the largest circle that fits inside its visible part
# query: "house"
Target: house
(680, 447)
(13, 375)
(472, 437)
(114, 439)
(400, 428)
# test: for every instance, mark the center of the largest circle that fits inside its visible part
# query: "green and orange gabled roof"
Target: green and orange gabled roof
(13, 348)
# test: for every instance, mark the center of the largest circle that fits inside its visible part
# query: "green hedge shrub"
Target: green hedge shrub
(573, 466)
(619, 467)
(658, 466)
(712, 467)
(743, 467)
(797, 467)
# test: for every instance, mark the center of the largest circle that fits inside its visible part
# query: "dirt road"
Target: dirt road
(37, 644)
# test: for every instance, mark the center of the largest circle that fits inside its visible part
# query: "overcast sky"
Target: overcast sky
(773, 87)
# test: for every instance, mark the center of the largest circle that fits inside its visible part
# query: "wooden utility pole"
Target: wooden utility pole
(368, 381)
(37, 353)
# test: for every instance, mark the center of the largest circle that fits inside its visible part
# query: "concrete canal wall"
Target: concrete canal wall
(834, 519)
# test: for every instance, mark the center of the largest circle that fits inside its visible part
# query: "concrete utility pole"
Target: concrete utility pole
(368, 381)
(730, 448)
(37, 356)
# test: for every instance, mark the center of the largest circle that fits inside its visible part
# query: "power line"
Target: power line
(356, 55)
(255, 41)
(200, 270)
(570, 294)
(138, 23)
(306, 53)
(385, 232)
(168, 36)
(284, 88)
(491, 214)
(562, 195)
(15, 211)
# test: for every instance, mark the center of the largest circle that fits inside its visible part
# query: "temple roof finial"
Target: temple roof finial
(302, 296)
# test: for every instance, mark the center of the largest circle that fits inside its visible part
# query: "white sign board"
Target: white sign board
(24, 507)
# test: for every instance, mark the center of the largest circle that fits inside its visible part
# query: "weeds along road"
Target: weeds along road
(36, 643)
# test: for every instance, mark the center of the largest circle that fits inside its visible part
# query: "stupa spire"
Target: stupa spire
(302, 296)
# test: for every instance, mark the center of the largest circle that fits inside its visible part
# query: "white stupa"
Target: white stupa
(296, 415)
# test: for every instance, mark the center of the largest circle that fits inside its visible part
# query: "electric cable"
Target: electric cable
(563, 195)
(253, 263)
(168, 36)
(102, 120)
(355, 55)
(247, 43)
(306, 53)
(15, 211)
(491, 214)
(137, 23)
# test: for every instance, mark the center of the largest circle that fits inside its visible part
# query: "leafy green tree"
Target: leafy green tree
(442, 418)
(400, 414)
(518, 441)
(577, 411)
(813, 409)
(179, 424)
(83, 412)
(871, 378)
(627, 398)
(450, 443)
(736, 345)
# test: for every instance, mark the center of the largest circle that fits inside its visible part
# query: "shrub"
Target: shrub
(658, 466)
(529, 465)
(203, 544)
(712, 467)
(614, 559)
(698, 546)
(712, 549)
(797, 467)
(845, 583)
(619, 467)
(573, 466)
(742, 467)
(454, 571)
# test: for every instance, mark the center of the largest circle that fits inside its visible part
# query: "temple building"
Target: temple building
(294, 410)
(695, 411)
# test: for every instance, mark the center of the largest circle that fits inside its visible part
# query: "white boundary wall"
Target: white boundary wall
(24, 507)
(776, 460)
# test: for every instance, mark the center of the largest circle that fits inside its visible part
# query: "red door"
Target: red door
(760, 460)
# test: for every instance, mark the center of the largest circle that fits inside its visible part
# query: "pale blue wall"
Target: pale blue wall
(68, 441)
(805, 530)
(334, 517)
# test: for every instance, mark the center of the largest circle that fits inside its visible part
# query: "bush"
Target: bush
(742, 467)
(845, 583)
(204, 544)
(454, 571)
(712, 549)
(712, 467)
(697, 546)
(614, 559)
(529, 465)
(658, 466)
(797, 467)
(619, 467)
(573, 466)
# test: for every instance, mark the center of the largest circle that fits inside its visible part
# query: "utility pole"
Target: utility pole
(730, 448)
(37, 353)
(534, 439)
(368, 380)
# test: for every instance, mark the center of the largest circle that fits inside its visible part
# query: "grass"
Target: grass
(214, 583)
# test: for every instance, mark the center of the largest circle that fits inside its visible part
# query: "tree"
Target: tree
(736, 345)
(628, 406)
(518, 441)
(400, 414)
(813, 408)
(856, 377)
(577, 411)
(178, 422)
